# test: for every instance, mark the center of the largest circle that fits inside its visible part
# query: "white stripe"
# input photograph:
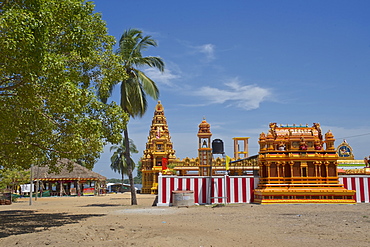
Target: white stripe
(358, 190)
(349, 183)
(240, 190)
(168, 190)
(366, 189)
(200, 193)
(192, 185)
(232, 197)
(249, 189)
(176, 184)
(160, 194)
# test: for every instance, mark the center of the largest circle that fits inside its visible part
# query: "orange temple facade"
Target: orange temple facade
(159, 151)
(298, 165)
(295, 164)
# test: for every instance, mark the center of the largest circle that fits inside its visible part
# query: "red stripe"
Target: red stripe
(179, 184)
(164, 187)
(362, 190)
(188, 184)
(353, 182)
(236, 189)
(345, 184)
(213, 191)
(244, 189)
(196, 190)
(220, 189)
(368, 185)
(251, 188)
(204, 190)
(172, 188)
(228, 189)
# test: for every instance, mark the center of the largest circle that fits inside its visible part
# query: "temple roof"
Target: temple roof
(204, 127)
(295, 130)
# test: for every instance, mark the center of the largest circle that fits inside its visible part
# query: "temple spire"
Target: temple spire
(159, 150)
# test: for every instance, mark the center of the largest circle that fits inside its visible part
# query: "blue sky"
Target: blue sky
(244, 64)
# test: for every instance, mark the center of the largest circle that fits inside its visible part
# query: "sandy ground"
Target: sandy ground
(110, 221)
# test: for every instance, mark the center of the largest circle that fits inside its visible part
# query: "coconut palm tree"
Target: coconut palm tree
(138, 85)
(118, 162)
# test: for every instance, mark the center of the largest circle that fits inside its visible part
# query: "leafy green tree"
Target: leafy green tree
(54, 54)
(13, 177)
(118, 161)
(138, 85)
(139, 172)
(114, 180)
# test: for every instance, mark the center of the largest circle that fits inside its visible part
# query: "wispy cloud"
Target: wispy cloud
(247, 97)
(208, 50)
(165, 77)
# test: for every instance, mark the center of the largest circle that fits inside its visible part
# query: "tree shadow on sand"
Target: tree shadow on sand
(16, 222)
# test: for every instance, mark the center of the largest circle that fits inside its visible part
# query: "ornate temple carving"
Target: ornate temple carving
(295, 167)
(159, 151)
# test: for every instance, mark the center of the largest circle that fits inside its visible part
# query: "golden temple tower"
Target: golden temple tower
(296, 167)
(158, 153)
(204, 148)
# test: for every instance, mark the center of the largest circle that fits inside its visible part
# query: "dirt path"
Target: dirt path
(110, 221)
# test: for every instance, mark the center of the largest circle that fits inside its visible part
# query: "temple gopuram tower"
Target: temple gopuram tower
(298, 165)
(158, 153)
(204, 148)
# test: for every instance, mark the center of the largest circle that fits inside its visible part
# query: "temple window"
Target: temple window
(304, 172)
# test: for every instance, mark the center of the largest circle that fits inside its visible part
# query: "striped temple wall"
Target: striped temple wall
(237, 189)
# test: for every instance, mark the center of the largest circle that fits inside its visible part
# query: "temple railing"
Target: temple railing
(299, 180)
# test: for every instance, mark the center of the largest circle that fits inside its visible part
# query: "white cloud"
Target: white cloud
(208, 50)
(165, 77)
(247, 97)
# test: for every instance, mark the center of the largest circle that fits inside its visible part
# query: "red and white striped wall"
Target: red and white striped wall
(359, 183)
(223, 189)
(238, 189)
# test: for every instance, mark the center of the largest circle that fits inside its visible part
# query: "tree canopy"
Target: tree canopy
(54, 54)
(138, 85)
(118, 161)
(13, 177)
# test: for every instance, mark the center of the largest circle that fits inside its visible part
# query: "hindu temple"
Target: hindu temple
(158, 153)
(295, 164)
(298, 164)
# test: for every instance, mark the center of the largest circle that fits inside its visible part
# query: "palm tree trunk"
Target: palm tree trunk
(129, 168)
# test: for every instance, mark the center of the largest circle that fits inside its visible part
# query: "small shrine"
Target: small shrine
(297, 164)
(347, 163)
(344, 151)
(204, 148)
(158, 153)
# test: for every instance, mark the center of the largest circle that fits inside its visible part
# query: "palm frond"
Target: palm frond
(118, 162)
(154, 62)
(148, 85)
(133, 99)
